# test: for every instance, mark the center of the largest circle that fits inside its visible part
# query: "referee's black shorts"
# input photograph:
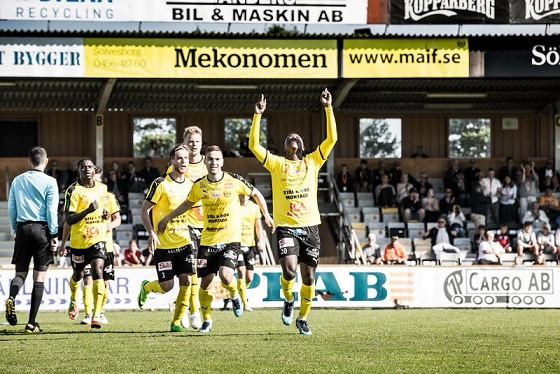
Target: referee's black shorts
(32, 241)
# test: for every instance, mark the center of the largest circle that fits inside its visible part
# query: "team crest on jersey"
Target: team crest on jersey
(227, 193)
(286, 242)
(165, 265)
(201, 262)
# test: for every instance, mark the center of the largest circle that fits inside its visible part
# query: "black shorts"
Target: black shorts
(196, 233)
(210, 259)
(304, 242)
(247, 257)
(32, 241)
(108, 268)
(172, 262)
(82, 257)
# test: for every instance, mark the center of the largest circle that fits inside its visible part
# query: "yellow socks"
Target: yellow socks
(88, 298)
(231, 287)
(74, 286)
(306, 294)
(193, 297)
(242, 287)
(181, 304)
(287, 288)
(98, 292)
(153, 286)
(205, 297)
(105, 295)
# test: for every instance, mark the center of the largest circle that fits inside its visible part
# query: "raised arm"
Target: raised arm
(332, 136)
(261, 202)
(258, 150)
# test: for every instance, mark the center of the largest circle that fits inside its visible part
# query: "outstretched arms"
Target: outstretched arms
(332, 136)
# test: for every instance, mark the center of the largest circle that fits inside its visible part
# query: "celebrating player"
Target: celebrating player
(221, 237)
(294, 198)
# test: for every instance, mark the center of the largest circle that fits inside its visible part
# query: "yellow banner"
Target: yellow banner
(411, 58)
(210, 58)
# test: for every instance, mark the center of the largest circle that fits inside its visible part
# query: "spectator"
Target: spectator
(490, 251)
(423, 185)
(549, 203)
(132, 255)
(450, 173)
(363, 177)
(117, 186)
(377, 174)
(442, 238)
(546, 243)
(431, 206)
(395, 253)
(344, 181)
(508, 170)
(411, 207)
(526, 241)
(447, 202)
(492, 187)
(507, 199)
(503, 237)
(479, 236)
(134, 183)
(59, 175)
(116, 168)
(459, 189)
(527, 188)
(457, 221)
(471, 174)
(403, 188)
(149, 173)
(547, 171)
(479, 205)
(536, 216)
(372, 251)
(419, 152)
(395, 174)
(385, 193)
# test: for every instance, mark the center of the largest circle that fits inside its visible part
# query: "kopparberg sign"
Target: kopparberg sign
(207, 11)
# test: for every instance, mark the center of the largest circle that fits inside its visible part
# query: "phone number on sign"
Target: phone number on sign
(128, 63)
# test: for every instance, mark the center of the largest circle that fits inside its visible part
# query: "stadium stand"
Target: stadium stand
(449, 259)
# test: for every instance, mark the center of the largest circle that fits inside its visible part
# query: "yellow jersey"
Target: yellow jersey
(114, 207)
(93, 228)
(250, 212)
(195, 171)
(220, 201)
(167, 194)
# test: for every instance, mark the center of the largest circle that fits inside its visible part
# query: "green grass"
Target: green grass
(349, 341)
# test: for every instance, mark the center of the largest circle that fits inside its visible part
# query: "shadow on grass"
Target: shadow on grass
(188, 334)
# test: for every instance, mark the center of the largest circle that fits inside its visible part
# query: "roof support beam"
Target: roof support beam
(342, 92)
(104, 95)
(101, 106)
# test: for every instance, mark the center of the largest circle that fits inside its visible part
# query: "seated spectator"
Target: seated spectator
(508, 170)
(549, 203)
(149, 173)
(372, 251)
(507, 199)
(447, 202)
(419, 152)
(134, 183)
(431, 206)
(490, 251)
(116, 168)
(479, 205)
(479, 236)
(377, 174)
(547, 171)
(535, 215)
(457, 221)
(363, 177)
(503, 238)
(450, 173)
(423, 185)
(403, 188)
(442, 238)
(411, 207)
(395, 174)
(546, 243)
(344, 181)
(395, 252)
(132, 255)
(385, 195)
(526, 241)
(59, 175)
(116, 186)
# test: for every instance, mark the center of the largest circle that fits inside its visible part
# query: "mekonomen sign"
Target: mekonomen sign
(206, 11)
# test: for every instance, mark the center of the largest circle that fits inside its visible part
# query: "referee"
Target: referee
(33, 204)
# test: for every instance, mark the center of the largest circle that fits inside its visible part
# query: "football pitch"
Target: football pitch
(347, 341)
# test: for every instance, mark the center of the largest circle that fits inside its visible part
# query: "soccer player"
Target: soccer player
(250, 223)
(171, 247)
(221, 237)
(33, 205)
(85, 206)
(296, 213)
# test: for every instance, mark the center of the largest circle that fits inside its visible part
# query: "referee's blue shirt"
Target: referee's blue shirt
(34, 197)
